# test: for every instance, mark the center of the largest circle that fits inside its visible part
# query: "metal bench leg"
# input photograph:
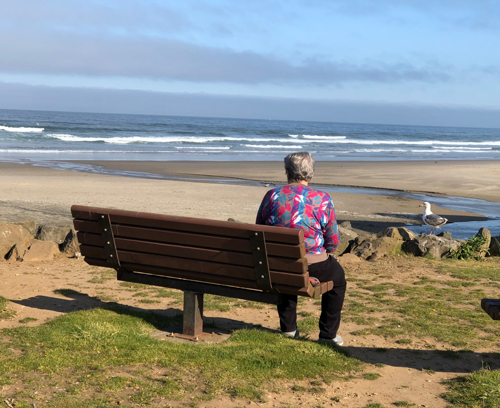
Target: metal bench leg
(192, 321)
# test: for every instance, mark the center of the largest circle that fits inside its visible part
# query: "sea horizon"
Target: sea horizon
(30, 136)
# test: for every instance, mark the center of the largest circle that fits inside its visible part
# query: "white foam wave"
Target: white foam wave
(161, 139)
(414, 143)
(462, 148)
(202, 148)
(272, 146)
(450, 150)
(324, 137)
(34, 151)
(294, 136)
(21, 129)
(379, 150)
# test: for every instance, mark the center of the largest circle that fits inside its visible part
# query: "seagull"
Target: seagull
(432, 220)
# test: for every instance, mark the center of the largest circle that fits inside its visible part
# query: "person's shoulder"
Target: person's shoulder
(323, 194)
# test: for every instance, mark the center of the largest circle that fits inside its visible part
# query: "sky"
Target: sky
(419, 62)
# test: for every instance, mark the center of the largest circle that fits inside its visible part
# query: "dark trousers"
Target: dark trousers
(331, 301)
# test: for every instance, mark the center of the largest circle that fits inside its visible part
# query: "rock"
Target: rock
(30, 226)
(346, 225)
(374, 257)
(436, 246)
(41, 251)
(445, 235)
(346, 238)
(391, 232)
(70, 245)
(51, 233)
(406, 234)
(413, 247)
(11, 235)
(485, 232)
(364, 247)
(399, 233)
(495, 246)
(17, 252)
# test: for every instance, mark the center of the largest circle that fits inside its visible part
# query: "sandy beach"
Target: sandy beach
(46, 195)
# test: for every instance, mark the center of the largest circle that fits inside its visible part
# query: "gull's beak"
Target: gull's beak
(420, 205)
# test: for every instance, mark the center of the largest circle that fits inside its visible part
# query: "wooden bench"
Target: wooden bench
(492, 307)
(245, 261)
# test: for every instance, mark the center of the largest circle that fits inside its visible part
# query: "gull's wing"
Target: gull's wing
(435, 220)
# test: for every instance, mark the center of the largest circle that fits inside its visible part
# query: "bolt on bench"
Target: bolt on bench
(198, 256)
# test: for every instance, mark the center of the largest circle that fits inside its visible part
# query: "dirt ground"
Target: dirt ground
(408, 372)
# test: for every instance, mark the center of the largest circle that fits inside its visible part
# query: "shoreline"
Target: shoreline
(45, 195)
(472, 179)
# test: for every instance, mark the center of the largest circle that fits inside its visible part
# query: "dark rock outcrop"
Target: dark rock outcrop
(51, 233)
(435, 246)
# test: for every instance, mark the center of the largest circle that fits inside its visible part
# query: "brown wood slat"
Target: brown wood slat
(241, 283)
(194, 240)
(200, 287)
(196, 225)
(227, 257)
(197, 266)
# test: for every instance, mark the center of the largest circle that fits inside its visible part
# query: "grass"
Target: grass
(447, 310)
(5, 312)
(28, 320)
(96, 355)
(477, 390)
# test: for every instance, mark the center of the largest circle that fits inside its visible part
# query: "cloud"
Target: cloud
(166, 59)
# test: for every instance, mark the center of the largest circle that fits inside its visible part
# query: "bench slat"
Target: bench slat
(307, 291)
(195, 265)
(273, 234)
(203, 241)
(212, 255)
(200, 287)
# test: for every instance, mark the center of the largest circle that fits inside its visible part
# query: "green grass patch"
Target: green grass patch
(471, 271)
(447, 310)
(28, 320)
(307, 325)
(5, 312)
(371, 376)
(102, 275)
(94, 355)
(164, 293)
(133, 285)
(141, 294)
(480, 389)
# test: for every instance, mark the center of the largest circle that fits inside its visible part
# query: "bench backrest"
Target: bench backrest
(219, 252)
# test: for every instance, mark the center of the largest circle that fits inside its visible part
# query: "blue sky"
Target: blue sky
(339, 60)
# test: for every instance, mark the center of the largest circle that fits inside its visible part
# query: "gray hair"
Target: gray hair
(299, 166)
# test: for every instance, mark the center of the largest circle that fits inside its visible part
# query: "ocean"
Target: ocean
(36, 136)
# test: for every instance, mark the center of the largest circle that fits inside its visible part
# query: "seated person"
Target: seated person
(298, 206)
